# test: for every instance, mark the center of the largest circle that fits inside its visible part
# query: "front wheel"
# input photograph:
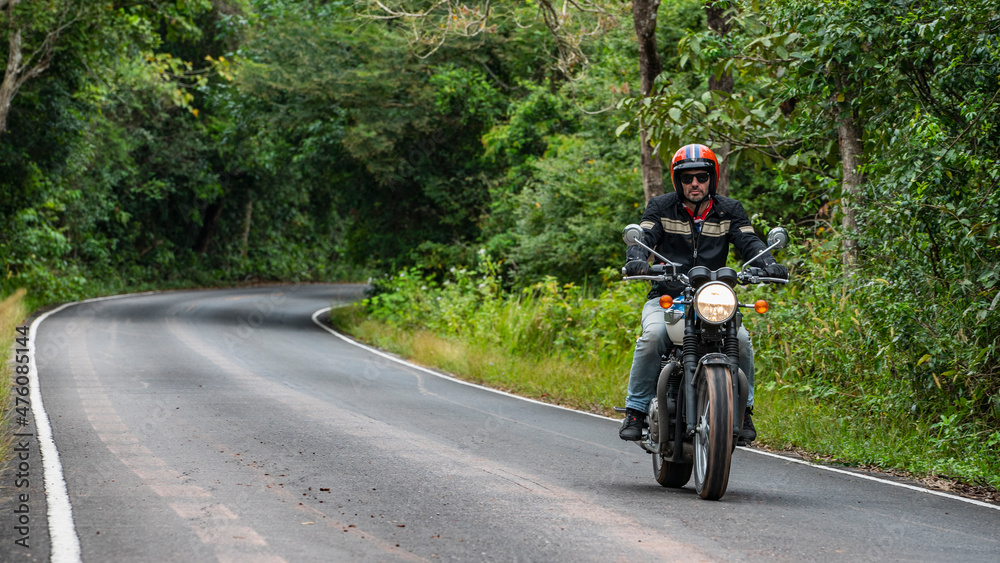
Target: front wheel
(713, 440)
(673, 475)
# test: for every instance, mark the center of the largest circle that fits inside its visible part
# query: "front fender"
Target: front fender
(739, 383)
(715, 359)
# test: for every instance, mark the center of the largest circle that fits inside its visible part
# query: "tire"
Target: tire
(673, 475)
(713, 442)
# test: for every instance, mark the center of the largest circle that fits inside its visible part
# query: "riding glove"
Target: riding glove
(636, 268)
(776, 271)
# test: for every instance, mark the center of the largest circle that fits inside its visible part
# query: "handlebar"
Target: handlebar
(659, 272)
(746, 278)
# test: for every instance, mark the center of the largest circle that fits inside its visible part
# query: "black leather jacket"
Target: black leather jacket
(669, 229)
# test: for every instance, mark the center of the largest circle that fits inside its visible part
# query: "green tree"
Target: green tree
(346, 112)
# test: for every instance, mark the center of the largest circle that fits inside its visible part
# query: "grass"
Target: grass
(787, 420)
(12, 313)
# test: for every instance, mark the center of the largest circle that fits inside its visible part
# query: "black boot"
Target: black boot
(632, 426)
(749, 433)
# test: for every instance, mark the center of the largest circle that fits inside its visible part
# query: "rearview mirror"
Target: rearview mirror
(778, 237)
(632, 234)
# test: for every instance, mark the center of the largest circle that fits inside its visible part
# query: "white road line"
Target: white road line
(65, 544)
(750, 450)
(876, 479)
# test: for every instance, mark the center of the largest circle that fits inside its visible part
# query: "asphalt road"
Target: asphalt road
(227, 426)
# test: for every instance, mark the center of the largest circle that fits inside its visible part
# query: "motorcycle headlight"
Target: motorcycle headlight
(715, 303)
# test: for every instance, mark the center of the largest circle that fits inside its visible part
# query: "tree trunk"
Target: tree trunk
(212, 215)
(849, 139)
(247, 216)
(10, 83)
(644, 17)
(718, 22)
(722, 153)
(15, 75)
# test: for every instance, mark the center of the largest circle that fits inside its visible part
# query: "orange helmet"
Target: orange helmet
(694, 157)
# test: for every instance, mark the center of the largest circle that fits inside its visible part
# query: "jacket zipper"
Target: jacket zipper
(697, 236)
(694, 228)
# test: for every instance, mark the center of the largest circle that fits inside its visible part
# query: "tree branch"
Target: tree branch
(46, 51)
(450, 17)
(20, 70)
(393, 14)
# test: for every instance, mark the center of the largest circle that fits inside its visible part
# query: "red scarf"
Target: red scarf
(699, 218)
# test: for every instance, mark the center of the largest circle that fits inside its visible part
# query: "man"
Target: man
(692, 227)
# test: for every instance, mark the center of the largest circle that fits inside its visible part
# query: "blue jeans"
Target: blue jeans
(653, 344)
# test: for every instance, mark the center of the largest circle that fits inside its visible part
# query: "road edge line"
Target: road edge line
(877, 479)
(750, 450)
(64, 542)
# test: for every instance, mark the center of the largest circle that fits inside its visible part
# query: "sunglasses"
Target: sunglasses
(702, 177)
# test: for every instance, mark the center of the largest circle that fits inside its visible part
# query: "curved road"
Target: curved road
(227, 426)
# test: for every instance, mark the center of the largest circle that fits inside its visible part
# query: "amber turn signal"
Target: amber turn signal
(666, 301)
(760, 306)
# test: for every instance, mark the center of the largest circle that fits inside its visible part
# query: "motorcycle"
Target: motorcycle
(697, 414)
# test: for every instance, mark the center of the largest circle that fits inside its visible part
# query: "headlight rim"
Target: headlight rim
(697, 303)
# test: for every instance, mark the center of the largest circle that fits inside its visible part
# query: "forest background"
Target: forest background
(479, 160)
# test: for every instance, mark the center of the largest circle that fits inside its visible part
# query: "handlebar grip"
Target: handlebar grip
(658, 269)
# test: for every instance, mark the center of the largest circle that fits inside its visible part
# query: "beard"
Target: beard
(694, 203)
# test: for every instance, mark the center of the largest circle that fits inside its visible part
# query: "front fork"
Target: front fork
(741, 388)
(690, 367)
(730, 359)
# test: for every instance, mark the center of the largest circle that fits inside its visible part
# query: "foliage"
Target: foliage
(564, 187)
(869, 378)
(545, 318)
(384, 136)
(564, 29)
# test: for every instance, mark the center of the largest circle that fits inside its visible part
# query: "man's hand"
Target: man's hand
(636, 268)
(776, 271)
